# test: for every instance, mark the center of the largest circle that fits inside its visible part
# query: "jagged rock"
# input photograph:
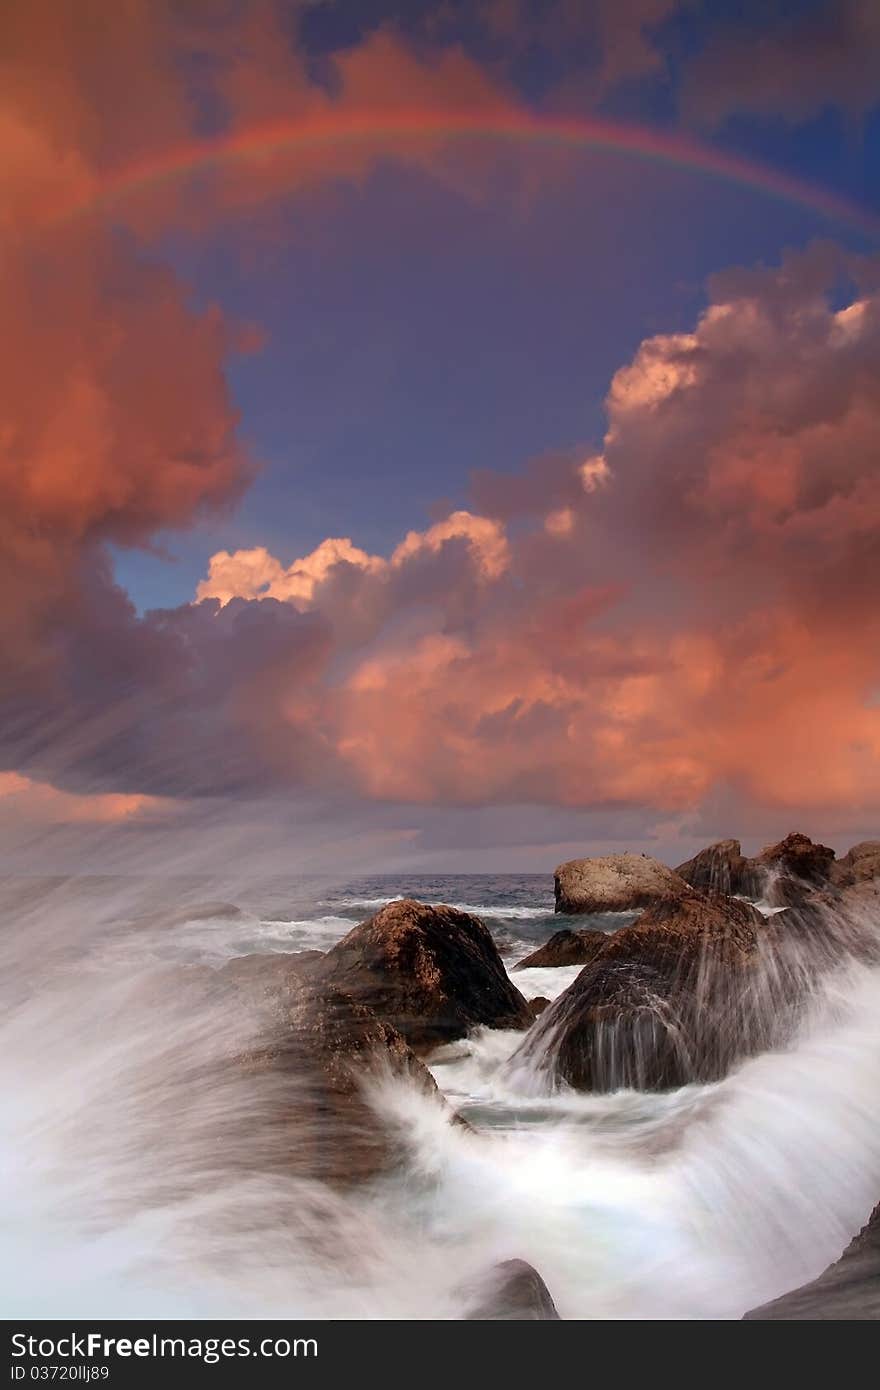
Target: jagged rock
(432, 972)
(799, 856)
(614, 883)
(721, 868)
(565, 948)
(665, 1002)
(783, 873)
(514, 1292)
(791, 868)
(848, 1291)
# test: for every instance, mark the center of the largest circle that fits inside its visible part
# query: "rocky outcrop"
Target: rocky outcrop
(784, 874)
(861, 864)
(431, 972)
(667, 1001)
(565, 948)
(848, 1291)
(799, 857)
(614, 883)
(514, 1292)
(312, 1050)
(721, 868)
(788, 871)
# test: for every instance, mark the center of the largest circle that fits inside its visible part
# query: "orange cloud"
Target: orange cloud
(24, 799)
(254, 574)
(691, 610)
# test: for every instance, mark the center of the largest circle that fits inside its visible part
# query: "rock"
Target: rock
(789, 869)
(861, 864)
(782, 874)
(565, 948)
(614, 883)
(798, 856)
(313, 1050)
(721, 868)
(667, 1001)
(862, 896)
(537, 1006)
(433, 973)
(304, 960)
(272, 971)
(514, 1292)
(848, 1291)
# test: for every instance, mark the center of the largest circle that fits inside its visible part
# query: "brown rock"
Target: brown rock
(861, 864)
(848, 1291)
(515, 1292)
(664, 1002)
(614, 883)
(432, 972)
(783, 873)
(537, 1006)
(565, 948)
(313, 1051)
(791, 868)
(798, 856)
(721, 868)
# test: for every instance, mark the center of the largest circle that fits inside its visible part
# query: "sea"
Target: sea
(122, 1200)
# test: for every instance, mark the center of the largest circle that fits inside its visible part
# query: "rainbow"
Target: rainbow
(387, 129)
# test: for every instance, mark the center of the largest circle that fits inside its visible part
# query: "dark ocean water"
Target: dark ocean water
(299, 914)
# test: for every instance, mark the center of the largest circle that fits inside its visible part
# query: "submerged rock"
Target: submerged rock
(614, 883)
(565, 948)
(432, 972)
(515, 1292)
(665, 1002)
(848, 1291)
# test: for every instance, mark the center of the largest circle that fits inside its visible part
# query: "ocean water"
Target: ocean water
(125, 1194)
(301, 914)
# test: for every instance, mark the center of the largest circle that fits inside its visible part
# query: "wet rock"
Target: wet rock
(667, 1001)
(721, 868)
(861, 864)
(537, 1006)
(848, 1291)
(798, 856)
(514, 1292)
(614, 883)
(565, 948)
(790, 869)
(432, 972)
(783, 873)
(313, 1050)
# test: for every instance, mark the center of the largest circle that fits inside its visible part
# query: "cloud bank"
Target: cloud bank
(685, 611)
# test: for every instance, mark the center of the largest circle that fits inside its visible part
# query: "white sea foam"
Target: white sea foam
(119, 1199)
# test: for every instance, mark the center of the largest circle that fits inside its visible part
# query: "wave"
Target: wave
(135, 1183)
(495, 910)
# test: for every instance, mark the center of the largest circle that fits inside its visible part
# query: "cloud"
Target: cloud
(23, 800)
(824, 55)
(683, 614)
(255, 573)
(688, 610)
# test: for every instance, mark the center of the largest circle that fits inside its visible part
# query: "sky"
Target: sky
(441, 435)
